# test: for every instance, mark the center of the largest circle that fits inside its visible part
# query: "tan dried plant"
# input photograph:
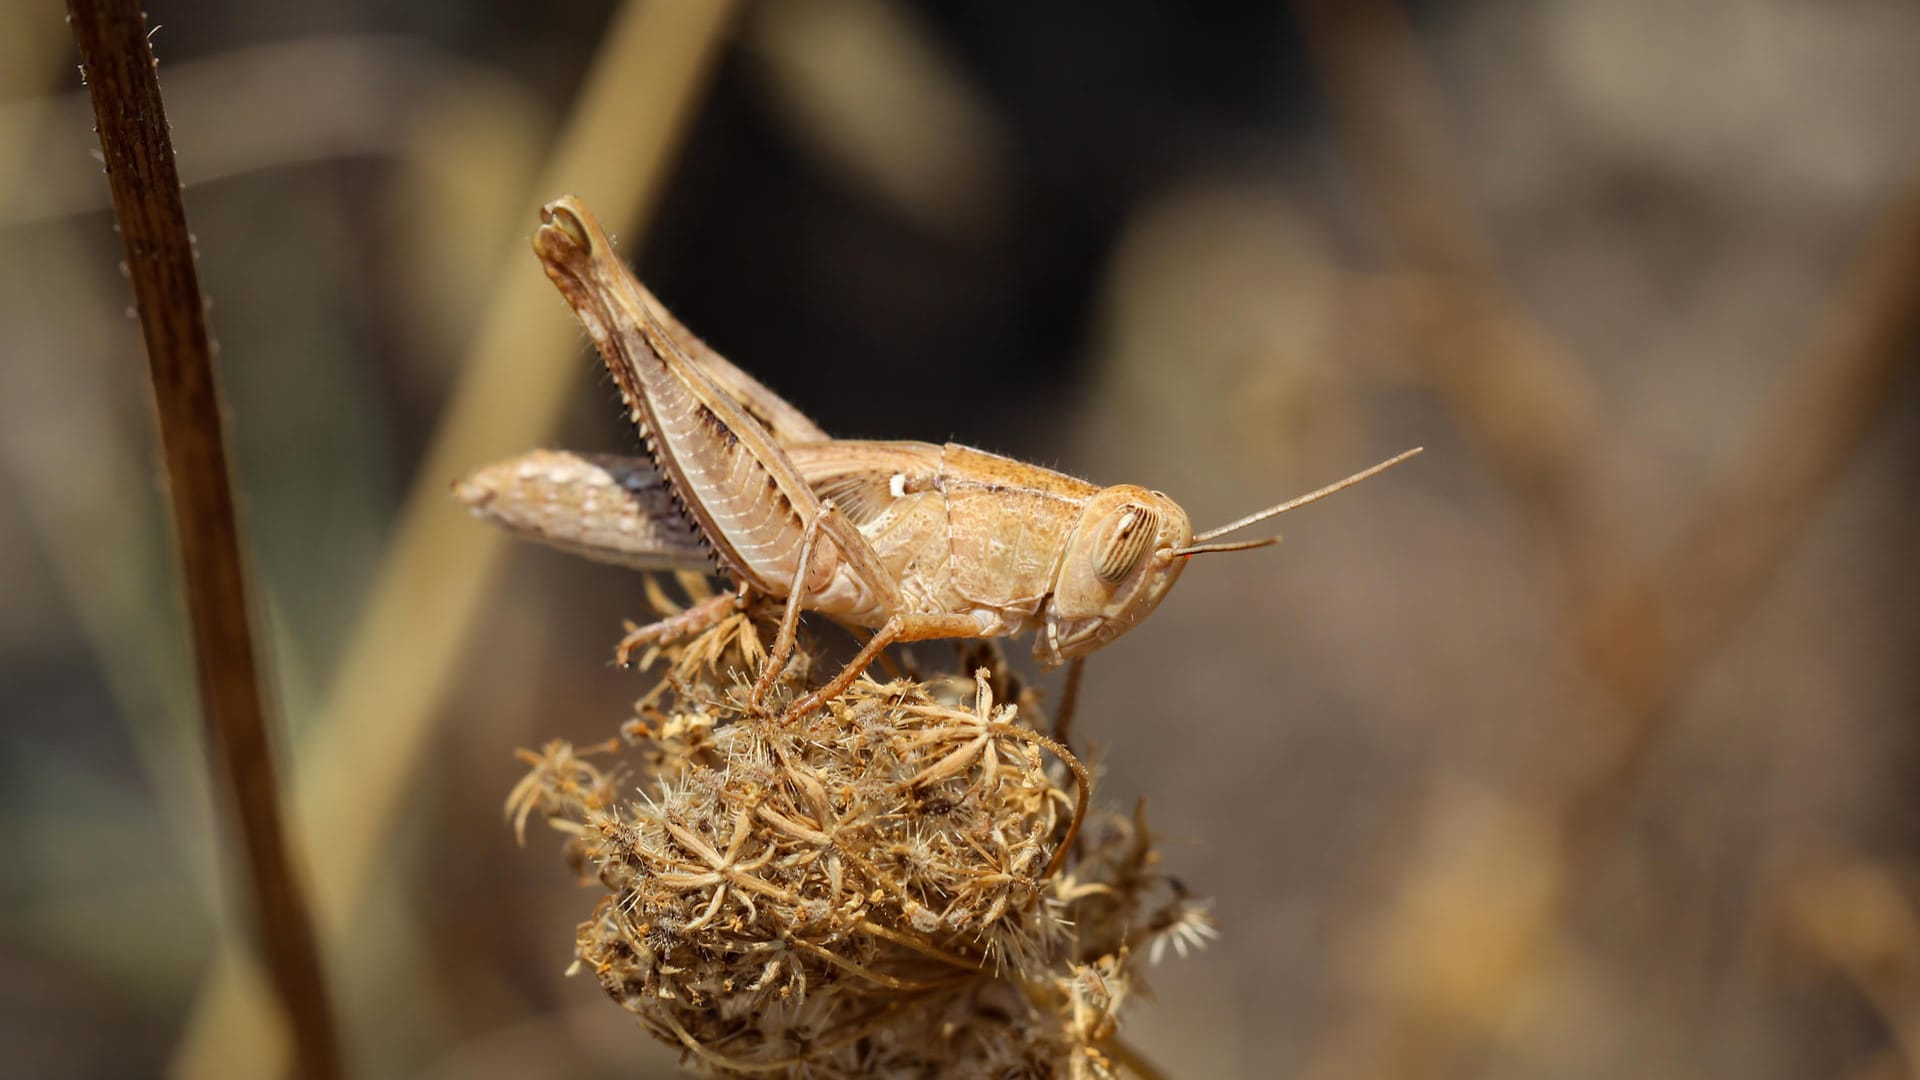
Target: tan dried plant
(898, 884)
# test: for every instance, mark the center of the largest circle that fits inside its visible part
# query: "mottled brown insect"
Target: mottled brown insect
(914, 540)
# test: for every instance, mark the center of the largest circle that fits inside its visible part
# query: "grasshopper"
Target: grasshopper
(912, 540)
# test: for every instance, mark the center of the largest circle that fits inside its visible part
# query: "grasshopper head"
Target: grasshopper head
(1118, 563)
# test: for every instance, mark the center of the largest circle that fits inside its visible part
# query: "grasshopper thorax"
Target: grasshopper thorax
(1116, 565)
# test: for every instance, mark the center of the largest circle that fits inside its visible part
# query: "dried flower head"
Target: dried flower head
(897, 884)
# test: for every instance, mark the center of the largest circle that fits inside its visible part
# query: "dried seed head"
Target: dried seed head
(878, 889)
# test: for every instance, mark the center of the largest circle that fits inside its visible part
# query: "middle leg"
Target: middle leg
(898, 629)
(790, 616)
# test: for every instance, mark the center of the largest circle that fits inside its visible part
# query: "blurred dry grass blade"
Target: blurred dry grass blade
(869, 91)
(1644, 642)
(74, 433)
(130, 118)
(100, 533)
(1638, 636)
(250, 109)
(32, 48)
(379, 712)
(1517, 393)
(1645, 634)
(1232, 274)
(1646, 637)
(101, 525)
(1469, 923)
(463, 133)
(1749, 516)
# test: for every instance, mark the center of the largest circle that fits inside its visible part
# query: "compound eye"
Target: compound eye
(1123, 543)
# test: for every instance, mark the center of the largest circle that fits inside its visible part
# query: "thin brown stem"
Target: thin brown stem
(925, 948)
(1083, 789)
(374, 730)
(1069, 702)
(131, 121)
(881, 978)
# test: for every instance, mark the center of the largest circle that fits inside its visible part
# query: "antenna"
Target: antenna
(1233, 545)
(1291, 504)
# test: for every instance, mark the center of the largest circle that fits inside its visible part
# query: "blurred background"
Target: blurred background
(1582, 746)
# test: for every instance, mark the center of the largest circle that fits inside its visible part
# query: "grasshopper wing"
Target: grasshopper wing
(616, 509)
(606, 508)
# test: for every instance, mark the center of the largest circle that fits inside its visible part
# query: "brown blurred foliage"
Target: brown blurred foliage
(1581, 746)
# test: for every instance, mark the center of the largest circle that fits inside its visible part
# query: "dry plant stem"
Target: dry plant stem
(251, 109)
(922, 947)
(380, 708)
(1639, 636)
(1083, 789)
(1069, 702)
(131, 122)
(1644, 642)
(879, 978)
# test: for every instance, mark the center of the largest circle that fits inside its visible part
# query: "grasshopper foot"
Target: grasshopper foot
(701, 616)
(763, 686)
(806, 704)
